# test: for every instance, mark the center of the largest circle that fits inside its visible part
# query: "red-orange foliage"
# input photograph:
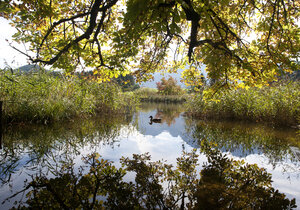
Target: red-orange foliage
(168, 87)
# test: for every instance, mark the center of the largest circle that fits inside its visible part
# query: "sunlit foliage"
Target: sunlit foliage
(246, 40)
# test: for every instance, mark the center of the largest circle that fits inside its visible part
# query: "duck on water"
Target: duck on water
(154, 120)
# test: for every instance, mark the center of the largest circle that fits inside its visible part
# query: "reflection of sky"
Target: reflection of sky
(167, 147)
(177, 129)
(161, 147)
(165, 142)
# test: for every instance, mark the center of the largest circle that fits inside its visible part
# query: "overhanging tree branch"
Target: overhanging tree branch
(95, 9)
(58, 23)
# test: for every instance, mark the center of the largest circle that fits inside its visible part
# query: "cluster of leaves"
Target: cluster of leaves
(169, 87)
(237, 40)
(193, 79)
(223, 183)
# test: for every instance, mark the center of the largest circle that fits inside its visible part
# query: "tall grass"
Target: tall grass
(42, 97)
(152, 95)
(278, 104)
(146, 92)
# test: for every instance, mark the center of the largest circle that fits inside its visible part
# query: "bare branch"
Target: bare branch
(28, 56)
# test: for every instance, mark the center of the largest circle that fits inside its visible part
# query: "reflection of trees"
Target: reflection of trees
(245, 139)
(29, 146)
(167, 112)
(224, 183)
(236, 185)
(168, 115)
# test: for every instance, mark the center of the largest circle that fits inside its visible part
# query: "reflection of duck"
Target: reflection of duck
(153, 120)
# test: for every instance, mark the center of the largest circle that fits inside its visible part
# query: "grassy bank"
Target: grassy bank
(152, 95)
(278, 104)
(42, 97)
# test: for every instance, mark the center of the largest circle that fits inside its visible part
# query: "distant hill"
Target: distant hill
(291, 76)
(296, 75)
(30, 68)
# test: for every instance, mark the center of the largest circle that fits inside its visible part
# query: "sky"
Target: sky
(7, 54)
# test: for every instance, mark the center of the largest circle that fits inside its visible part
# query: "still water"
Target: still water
(29, 150)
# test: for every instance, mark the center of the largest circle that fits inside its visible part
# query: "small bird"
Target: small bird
(154, 120)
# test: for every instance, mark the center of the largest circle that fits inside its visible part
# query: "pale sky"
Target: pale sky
(8, 54)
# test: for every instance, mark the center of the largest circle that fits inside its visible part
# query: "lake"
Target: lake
(27, 150)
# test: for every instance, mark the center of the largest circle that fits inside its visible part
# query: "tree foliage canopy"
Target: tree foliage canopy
(248, 40)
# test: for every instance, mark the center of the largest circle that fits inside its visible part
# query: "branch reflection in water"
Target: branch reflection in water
(223, 183)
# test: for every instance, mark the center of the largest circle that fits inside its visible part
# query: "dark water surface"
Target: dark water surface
(29, 150)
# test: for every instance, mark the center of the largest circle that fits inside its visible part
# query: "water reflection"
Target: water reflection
(244, 139)
(173, 122)
(224, 183)
(29, 147)
(34, 149)
(168, 113)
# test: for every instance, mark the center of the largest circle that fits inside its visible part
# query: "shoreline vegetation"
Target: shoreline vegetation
(41, 97)
(151, 95)
(278, 104)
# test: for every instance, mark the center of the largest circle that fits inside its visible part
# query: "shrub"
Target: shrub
(168, 87)
(127, 83)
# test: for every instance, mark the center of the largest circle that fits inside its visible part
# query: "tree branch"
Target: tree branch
(58, 23)
(92, 24)
(193, 16)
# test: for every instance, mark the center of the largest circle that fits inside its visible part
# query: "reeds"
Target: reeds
(43, 97)
(278, 104)
(152, 95)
